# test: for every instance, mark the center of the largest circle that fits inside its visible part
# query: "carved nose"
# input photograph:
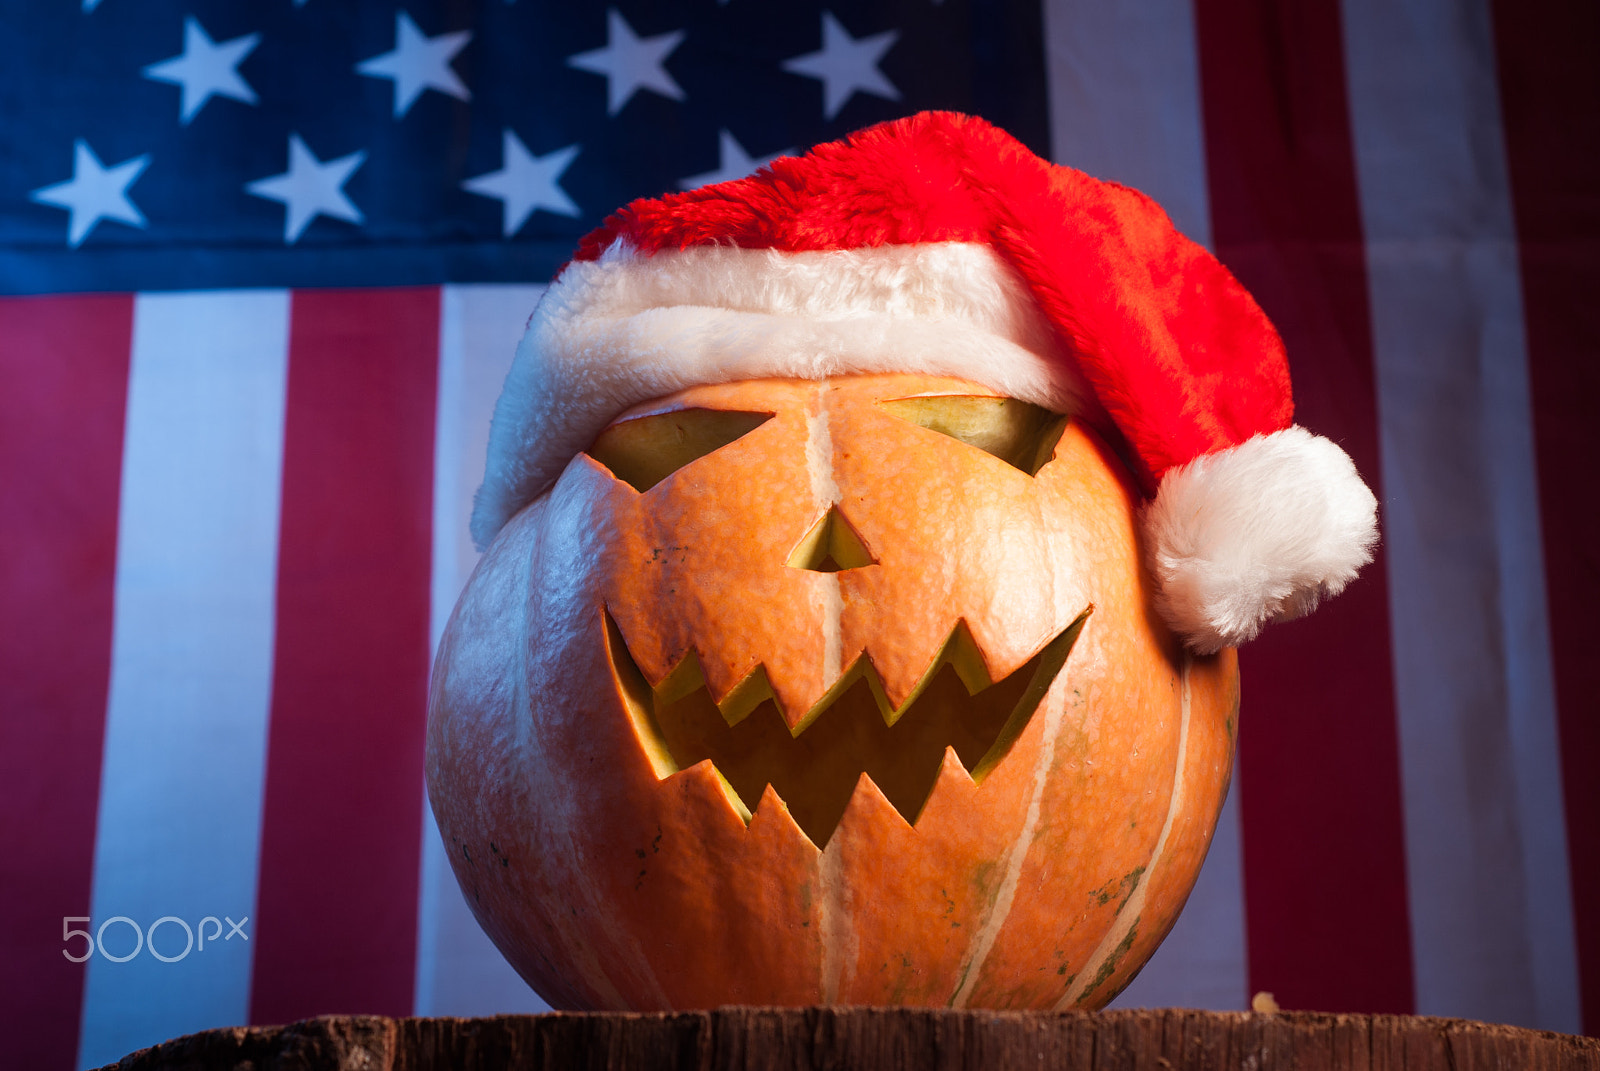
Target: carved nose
(832, 545)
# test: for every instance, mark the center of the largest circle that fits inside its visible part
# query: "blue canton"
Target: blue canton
(153, 144)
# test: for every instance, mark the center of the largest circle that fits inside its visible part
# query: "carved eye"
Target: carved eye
(1021, 434)
(646, 450)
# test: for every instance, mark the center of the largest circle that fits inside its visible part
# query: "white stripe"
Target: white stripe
(459, 972)
(191, 663)
(1125, 100)
(1491, 917)
(1125, 105)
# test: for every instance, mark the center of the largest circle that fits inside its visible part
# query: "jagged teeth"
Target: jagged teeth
(959, 651)
(816, 766)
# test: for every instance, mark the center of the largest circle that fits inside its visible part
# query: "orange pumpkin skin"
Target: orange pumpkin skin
(609, 886)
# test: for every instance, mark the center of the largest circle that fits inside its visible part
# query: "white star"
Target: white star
(310, 188)
(525, 182)
(630, 63)
(206, 68)
(417, 63)
(94, 192)
(734, 163)
(846, 65)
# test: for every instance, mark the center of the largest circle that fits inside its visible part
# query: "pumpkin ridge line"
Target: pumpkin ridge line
(1000, 907)
(1121, 934)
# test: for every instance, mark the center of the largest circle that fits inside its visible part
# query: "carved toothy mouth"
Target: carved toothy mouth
(851, 731)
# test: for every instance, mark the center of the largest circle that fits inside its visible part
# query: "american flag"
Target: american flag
(264, 265)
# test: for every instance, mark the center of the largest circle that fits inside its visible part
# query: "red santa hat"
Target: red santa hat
(940, 244)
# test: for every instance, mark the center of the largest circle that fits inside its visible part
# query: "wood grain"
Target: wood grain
(879, 1039)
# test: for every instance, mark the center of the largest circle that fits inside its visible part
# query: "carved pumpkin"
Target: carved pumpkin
(701, 730)
(798, 671)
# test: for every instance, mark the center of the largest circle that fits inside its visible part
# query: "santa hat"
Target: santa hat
(940, 244)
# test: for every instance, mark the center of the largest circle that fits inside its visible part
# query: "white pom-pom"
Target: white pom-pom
(1257, 533)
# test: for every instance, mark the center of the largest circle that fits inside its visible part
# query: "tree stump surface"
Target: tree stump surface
(877, 1039)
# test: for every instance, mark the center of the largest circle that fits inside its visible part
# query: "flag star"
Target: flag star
(525, 182)
(846, 65)
(734, 163)
(206, 68)
(310, 188)
(630, 63)
(94, 192)
(417, 63)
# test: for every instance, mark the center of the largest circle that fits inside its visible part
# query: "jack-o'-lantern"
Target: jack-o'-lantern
(828, 645)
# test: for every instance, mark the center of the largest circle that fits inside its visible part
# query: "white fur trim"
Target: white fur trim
(1257, 533)
(626, 328)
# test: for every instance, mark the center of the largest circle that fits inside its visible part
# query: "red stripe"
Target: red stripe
(1320, 805)
(337, 902)
(64, 363)
(1549, 56)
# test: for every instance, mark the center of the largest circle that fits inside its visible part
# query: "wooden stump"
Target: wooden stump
(877, 1039)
